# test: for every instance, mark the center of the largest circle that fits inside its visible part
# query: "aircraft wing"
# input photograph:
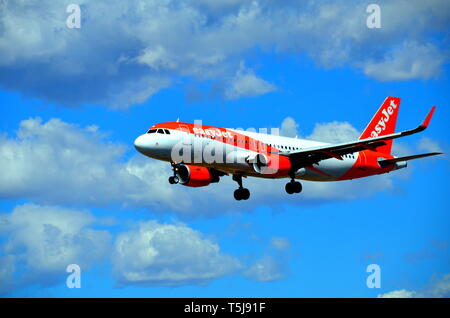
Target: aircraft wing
(313, 155)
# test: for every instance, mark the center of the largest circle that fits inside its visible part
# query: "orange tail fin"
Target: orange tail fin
(383, 123)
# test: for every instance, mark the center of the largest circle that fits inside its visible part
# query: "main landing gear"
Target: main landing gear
(241, 193)
(293, 187)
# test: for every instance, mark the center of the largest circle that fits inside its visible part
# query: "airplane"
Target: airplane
(201, 155)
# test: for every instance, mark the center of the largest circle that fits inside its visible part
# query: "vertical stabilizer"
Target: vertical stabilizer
(383, 123)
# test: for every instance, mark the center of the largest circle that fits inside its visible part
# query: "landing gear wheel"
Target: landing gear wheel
(293, 187)
(237, 194)
(173, 179)
(241, 194)
(297, 187)
(289, 188)
(245, 194)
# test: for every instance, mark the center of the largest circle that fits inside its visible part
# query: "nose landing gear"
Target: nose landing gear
(241, 193)
(174, 179)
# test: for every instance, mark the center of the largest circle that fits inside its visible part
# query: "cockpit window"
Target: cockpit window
(151, 131)
(167, 131)
(160, 131)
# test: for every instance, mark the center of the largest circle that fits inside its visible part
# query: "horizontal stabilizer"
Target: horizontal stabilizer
(386, 162)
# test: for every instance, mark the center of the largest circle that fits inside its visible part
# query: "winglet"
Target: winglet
(428, 118)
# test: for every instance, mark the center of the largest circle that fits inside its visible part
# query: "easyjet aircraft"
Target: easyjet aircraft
(201, 154)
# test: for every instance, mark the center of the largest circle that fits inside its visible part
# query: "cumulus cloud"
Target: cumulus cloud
(330, 132)
(334, 132)
(7, 270)
(246, 84)
(38, 242)
(402, 293)
(168, 255)
(439, 287)
(55, 162)
(138, 48)
(41, 241)
(267, 269)
(289, 127)
(408, 61)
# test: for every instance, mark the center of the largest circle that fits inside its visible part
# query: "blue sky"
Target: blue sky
(74, 190)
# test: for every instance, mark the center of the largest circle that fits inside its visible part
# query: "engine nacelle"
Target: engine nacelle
(259, 161)
(194, 176)
(274, 164)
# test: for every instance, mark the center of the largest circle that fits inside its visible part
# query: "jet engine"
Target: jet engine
(194, 176)
(258, 161)
(270, 165)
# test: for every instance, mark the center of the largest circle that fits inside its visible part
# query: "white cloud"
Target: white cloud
(141, 47)
(138, 91)
(408, 61)
(7, 270)
(40, 241)
(266, 269)
(168, 255)
(289, 127)
(157, 59)
(57, 162)
(60, 162)
(402, 293)
(439, 287)
(334, 132)
(246, 84)
(77, 166)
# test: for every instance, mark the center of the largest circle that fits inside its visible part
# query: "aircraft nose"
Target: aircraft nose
(140, 142)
